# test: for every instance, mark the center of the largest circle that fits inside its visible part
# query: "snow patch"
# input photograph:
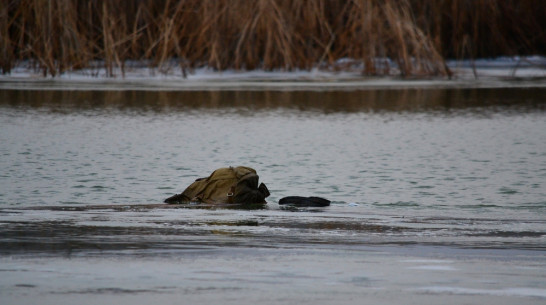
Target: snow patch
(481, 73)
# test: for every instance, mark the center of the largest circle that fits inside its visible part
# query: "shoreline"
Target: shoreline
(263, 85)
(484, 73)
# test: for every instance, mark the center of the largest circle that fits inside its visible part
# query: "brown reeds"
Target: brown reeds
(417, 35)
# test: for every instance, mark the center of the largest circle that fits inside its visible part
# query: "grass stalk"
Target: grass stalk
(61, 35)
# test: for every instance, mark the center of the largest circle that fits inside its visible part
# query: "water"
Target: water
(446, 184)
(139, 147)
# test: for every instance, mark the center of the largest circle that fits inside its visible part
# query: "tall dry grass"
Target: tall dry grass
(59, 35)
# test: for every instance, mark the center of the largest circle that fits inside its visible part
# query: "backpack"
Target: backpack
(225, 185)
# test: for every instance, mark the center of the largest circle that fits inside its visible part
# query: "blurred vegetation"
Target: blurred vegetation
(55, 36)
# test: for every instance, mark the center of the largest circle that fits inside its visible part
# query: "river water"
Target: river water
(438, 195)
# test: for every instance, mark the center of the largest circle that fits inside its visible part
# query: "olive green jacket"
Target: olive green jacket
(225, 185)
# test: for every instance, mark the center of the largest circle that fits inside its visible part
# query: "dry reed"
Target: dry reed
(60, 35)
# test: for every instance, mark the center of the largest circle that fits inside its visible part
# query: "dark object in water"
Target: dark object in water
(230, 185)
(305, 201)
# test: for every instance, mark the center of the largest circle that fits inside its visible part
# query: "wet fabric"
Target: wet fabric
(225, 185)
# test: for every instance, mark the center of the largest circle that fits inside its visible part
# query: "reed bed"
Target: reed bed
(55, 36)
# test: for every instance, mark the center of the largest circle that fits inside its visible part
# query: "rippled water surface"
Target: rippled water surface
(419, 171)
(434, 149)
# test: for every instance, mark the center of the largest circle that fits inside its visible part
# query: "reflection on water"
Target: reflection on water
(322, 101)
(149, 230)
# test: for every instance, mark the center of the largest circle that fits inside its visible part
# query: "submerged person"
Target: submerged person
(230, 185)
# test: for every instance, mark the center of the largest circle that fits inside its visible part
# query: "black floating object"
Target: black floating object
(178, 198)
(305, 201)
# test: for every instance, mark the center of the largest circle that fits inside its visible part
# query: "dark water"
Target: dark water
(436, 173)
